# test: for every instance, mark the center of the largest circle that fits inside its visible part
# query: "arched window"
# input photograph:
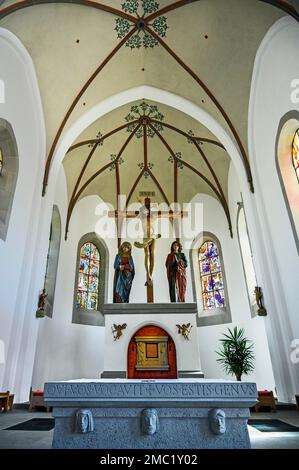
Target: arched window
(287, 162)
(88, 281)
(8, 173)
(296, 153)
(212, 285)
(91, 281)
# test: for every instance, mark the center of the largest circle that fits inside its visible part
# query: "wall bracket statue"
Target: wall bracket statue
(184, 330)
(118, 330)
(262, 312)
(40, 313)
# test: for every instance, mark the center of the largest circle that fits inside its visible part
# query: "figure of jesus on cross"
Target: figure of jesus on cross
(148, 214)
(148, 217)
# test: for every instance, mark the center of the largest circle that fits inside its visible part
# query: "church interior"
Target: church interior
(149, 197)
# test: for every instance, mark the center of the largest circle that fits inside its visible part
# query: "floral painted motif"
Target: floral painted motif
(148, 111)
(142, 37)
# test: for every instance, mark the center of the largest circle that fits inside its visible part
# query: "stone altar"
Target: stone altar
(181, 414)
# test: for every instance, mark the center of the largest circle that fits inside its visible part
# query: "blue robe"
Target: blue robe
(123, 279)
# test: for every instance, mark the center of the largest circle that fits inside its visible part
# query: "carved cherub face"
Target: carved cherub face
(217, 421)
(149, 421)
(84, 421)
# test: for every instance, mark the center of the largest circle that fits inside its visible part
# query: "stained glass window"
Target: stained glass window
(88, 280)
(296, 153)
(211, 277)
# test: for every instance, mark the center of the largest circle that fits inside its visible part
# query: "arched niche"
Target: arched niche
(247, 259)
(9, 174)
(52, 260)
(151, 354)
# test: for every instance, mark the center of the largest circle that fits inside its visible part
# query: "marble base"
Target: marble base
(183, 409)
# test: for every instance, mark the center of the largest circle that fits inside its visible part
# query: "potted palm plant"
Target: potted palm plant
(236, 354)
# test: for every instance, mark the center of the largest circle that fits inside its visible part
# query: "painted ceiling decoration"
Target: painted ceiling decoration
(141, 37)
(146, 123)
(142, 24)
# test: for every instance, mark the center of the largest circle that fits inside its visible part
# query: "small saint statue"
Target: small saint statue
(124, 274)
(259, 301)
(176, 264)
(41, 304)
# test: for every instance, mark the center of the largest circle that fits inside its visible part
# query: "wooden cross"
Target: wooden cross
(148, 217)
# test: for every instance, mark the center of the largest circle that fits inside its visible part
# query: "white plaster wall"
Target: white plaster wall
(21, 106)
(214, 221)
(66, 350)
(277, 259)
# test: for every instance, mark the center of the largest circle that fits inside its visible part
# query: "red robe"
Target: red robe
(177, 277)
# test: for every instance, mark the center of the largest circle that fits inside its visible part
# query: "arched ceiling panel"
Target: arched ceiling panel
(217, 40)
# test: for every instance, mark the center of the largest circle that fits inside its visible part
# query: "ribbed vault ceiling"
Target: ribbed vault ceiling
(156, 148)
(203, 50)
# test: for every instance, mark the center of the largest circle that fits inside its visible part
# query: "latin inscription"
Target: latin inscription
(152, 390)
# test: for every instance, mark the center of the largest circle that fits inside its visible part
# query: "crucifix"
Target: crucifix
(148, 215)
